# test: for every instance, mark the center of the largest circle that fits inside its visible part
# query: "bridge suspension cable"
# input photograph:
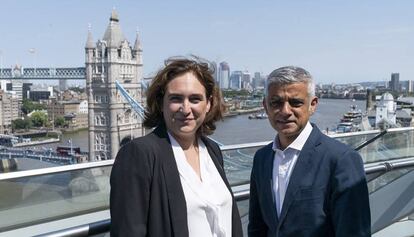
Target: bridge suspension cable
(134, 104)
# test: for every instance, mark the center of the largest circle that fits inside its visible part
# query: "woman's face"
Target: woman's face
(185, 106)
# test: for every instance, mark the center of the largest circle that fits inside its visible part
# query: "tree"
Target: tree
(77, 89)
(21, 124)
(235, 93)
(28, 106)
(38, 119)
(59, 121)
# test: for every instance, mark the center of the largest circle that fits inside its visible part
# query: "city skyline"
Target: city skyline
(338, 42)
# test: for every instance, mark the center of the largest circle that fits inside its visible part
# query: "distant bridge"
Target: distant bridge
(47, 156)
(20, 73)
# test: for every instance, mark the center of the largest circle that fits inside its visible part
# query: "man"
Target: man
(304, 183)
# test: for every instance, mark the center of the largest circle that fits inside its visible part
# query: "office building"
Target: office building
(224, 75)
(395, 82)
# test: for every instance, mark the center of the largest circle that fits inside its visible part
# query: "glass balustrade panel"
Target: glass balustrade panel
(34, 200)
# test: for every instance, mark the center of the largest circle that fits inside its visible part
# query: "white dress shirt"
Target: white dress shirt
(209, 202)
(284, 163)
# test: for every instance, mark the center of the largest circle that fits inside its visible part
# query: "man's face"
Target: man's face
(289, 108)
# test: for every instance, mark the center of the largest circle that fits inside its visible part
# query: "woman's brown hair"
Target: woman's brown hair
(175, 67)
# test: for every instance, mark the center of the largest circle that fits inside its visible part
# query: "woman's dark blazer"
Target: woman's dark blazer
(146, 197)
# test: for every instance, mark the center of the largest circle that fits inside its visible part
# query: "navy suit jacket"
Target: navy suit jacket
(326, 196)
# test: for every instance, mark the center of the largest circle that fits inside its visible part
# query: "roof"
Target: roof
(387, 96)
(409, 100)
(113, 34)
(89, 42)
(137, 45)
(403, 114)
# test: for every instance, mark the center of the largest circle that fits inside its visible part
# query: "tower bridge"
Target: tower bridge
(110, 63)
(20, 73)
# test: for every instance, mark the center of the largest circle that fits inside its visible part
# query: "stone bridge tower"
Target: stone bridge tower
(110, 117)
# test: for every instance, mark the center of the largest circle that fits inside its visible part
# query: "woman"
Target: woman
(171, 182)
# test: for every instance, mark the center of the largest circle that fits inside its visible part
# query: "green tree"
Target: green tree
(38, 119)
(235, 93)
(77, 89)
(59, 121)
(21, 124)
(29, 106)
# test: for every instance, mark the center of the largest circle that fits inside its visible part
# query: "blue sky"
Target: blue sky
(337, 41)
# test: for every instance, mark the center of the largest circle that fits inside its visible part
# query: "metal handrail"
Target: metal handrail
(74, 167)
(96, 164)
(54, 170)
(240, 195)
(369, 132)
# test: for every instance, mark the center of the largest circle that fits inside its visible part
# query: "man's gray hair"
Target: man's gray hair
(288, 75)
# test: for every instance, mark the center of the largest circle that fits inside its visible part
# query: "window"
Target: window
(126, 120)
(103, 120)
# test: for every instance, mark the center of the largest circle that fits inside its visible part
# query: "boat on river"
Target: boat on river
(261, 115)
(350, 121)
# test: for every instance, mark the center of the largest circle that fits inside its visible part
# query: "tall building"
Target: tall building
(62, 85)
(406, 86)
(213, 64)
(224, 75)
(26, 90)
(9, 111)
(236, 80)
(395, 82)
(17, 88)
(110, 117)
(258, 80)
(3, 84)
(246, 80)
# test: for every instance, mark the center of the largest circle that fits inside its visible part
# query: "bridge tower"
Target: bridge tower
(110, 117)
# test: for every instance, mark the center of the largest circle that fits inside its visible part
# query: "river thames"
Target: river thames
(241, 129)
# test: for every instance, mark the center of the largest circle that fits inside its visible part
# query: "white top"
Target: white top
(283, 164)
(209, 202)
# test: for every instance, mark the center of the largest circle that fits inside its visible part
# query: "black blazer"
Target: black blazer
(327, 193)
(146, 194)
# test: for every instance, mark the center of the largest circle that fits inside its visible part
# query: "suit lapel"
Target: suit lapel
(175, 193)
(269, 195)
(304, 163)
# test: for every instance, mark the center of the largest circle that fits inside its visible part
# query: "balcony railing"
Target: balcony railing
(62, 195)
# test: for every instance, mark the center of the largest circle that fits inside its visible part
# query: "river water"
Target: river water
(240, 129)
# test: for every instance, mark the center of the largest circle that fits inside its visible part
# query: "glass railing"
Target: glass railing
(53, 193)
(62, 192)
(395, 143)
(392, 198)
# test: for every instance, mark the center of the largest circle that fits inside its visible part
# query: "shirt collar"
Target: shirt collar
(299, 142)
